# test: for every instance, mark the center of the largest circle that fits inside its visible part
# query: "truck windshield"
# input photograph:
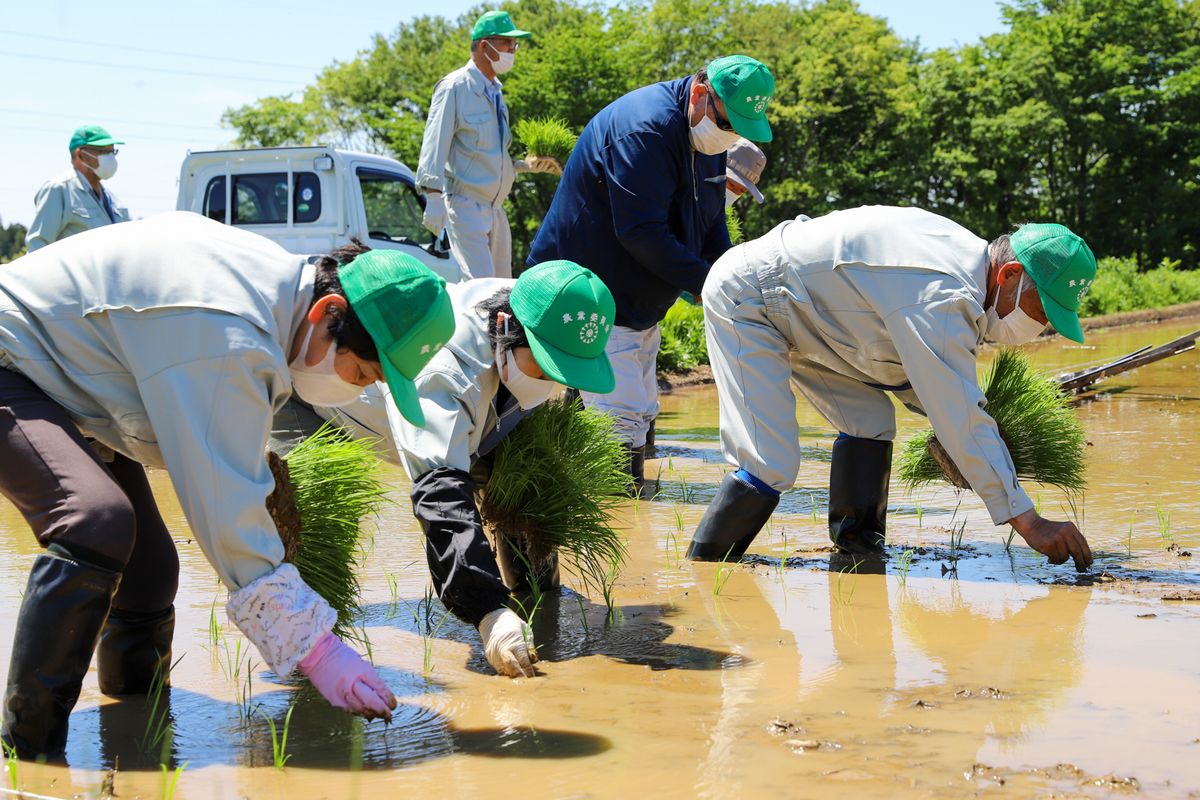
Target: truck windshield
(394, 208)
(262, 199)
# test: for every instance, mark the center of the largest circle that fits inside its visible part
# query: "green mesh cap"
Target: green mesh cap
(568, 314)
(497, 23)
(405, 308)
(91, 136)
(745, 86)
(1062, 267)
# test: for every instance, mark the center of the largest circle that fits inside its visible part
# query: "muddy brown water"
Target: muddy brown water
(979, 669)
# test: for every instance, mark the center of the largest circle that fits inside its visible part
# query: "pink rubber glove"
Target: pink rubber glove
(346, 681)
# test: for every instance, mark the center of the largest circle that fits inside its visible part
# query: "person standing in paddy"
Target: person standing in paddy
(78, 201)
(854, 306)
(171, 342)
(465, 170)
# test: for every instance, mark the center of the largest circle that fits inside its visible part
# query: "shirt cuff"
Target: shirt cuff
(1006, 506)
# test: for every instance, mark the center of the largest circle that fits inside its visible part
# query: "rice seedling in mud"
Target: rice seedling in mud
(159, 726)
(1043, 435)
(846, 584)
(920, 513)
(903, 565)
(12, 765)
(608, 582)
(426, 629)
(549, 137)
(724, 572)
(555, 483)
(956, 540)
(169, 780)
(1129, 536)
(324, 488)
(279, 753)
(582, 613)
(1162, 519)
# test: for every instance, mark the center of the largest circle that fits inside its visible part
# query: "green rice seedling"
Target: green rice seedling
(1012, 534)
(847, 584)
(170, 780)
(334, 484)
(1043, 435)
(536, 595)
(683, 344)
(920, 513)
(1129, 536)
(279, 753)
(394, 589)
(956, 540)
(551, 137)
(427, 631)
(360, 636)
(582, 614)
(608, 581)
(903, 565)
(1163, 519)
(12, 765)
(734, 224)
(245, 701)
(812, 506)
(158, 723)
(724, 572)
(555, 483)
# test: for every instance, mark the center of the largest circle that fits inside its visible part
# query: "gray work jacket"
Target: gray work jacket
(66, 206)
(893, 298)
(464, 150)
(457, 388)
(167, 339)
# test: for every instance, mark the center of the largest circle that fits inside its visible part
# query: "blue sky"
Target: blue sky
(159, 74)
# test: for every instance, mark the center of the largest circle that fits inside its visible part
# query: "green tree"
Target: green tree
(12, 241)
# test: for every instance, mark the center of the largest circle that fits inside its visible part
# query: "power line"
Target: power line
(107, 118)
(139, 68)
(126, 48)
(191, 140)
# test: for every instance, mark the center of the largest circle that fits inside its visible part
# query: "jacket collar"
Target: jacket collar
(479, 81)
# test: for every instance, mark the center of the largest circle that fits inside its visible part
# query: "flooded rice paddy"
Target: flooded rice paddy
(969, 668)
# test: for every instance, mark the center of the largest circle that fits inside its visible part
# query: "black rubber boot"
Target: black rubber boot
(637, 473)
(858, 495)
(732, 520)
(66, 603)
(134, 650)
(649, 449)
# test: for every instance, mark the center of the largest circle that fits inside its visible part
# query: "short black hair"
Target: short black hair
(347, 329)
(515, 335)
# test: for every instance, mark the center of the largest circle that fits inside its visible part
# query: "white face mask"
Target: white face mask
(503, 62)
(1014, 328)
(529, 392)
(107, 166)
(709, 139)
(320, 385)
(731, 197)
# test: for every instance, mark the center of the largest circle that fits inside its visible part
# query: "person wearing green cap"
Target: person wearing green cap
(853, 307)
(465, 171)
(77, 201)
(516, 343)
(642, 203)
(170, 342)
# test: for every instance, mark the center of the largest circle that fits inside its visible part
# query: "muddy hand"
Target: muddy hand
(346, 681)
(508, 644)
(1058, 541)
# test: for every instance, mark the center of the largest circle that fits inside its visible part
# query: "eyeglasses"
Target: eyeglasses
(722, 123)
(505, 44)
(91, 151)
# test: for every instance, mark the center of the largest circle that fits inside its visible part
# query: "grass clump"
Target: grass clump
(683, 345)
(1120, 287)
(546, 136)
(1042, 434)
(332, 483)
(555, 482)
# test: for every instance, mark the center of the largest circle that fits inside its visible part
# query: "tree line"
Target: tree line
(1084, 112)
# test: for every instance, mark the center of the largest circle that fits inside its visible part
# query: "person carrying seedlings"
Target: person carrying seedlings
(853, 306)
(642, 202)
(170, 342)
(516, 343)
(465, 170)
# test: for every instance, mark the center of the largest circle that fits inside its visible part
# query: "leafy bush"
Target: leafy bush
(683, 344)
(1120, 287)
(546, 136)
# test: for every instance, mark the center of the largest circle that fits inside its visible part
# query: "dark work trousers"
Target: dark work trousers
(101, 513)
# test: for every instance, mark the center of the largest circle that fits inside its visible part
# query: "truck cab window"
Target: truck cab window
(262, 199)
(393, 207)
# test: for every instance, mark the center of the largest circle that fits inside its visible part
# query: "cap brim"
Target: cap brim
(586, 374)
(102, 142)
(404, 394)
(756, 130)
(513, 34)
(746, 184)
(1062, 319)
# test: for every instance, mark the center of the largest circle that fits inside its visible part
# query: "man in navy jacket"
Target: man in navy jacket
(642, 204)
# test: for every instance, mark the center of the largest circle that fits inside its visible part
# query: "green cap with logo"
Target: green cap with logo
(745, 86)
(1062, 267)
(497, 23)
(91, 136)
(405, 308)
(568, 314)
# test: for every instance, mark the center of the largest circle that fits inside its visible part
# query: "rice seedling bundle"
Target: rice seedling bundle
(1044, 438)
(324, 488)
(546, 136)
(555, 482)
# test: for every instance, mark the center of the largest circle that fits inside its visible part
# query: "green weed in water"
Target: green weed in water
(279, 753)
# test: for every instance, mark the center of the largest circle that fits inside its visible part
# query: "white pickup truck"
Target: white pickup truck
(311, 200)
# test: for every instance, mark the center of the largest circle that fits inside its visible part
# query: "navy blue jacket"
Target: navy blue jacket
(638, 206)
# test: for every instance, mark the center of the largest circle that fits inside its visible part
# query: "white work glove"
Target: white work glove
(545, 164)
(434, 218)
(508, 644)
